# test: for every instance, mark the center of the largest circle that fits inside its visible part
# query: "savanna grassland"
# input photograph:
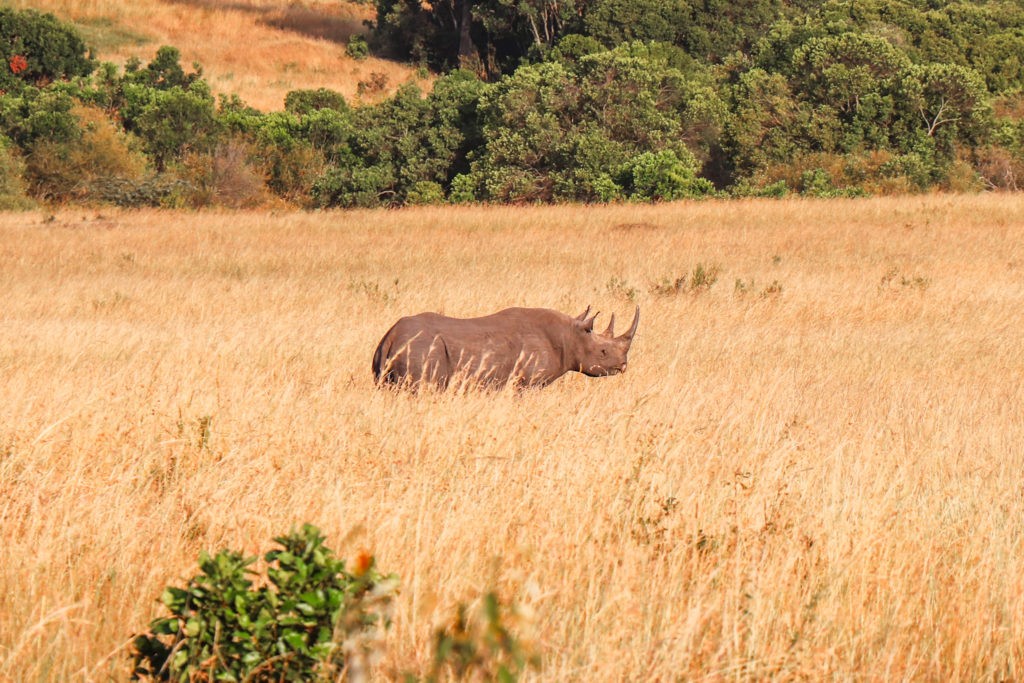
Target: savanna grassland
(811, 469)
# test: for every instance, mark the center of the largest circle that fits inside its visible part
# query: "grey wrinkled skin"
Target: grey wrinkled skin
(530, 347)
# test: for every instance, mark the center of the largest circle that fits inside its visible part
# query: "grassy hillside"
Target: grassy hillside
(809, 471)
(257, 49)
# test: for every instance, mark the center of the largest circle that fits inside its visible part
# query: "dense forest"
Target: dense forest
(543, 101)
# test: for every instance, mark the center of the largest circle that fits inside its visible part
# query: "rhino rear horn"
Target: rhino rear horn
(628, 336)
(610, 332)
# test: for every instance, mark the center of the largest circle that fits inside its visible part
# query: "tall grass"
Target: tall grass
(814, 475)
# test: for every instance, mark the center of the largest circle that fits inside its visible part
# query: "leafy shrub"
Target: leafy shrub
(313, 619)
(617, 21)
(36, 49)
(1000, 169)
(425, 192)
(173, 121)
(164, 72)
(580, 131)
(357, 47)
(66, 147)
(773, 190)
(34, 115)
(307, 101)
(664, 176)
(464, 189)
(817, 182)
(376, 83)
(356, 186)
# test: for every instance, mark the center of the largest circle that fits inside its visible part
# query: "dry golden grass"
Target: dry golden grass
(822, 482)
(257, 49)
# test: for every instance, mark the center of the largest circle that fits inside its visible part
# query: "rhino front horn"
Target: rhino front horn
(628, 336)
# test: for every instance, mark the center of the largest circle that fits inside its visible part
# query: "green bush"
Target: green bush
(664, 176)
(164, 72)
(356, 186)
(577, 130)
(35, 115)
(36, 49)
(171, 122)
(313, 619)
(306, 101)
(425, 192)
(357, 47)
(464, 189)
(762, 97)
(618, 21)
(310, 618)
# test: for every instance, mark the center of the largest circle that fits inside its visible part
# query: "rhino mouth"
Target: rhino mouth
(603, 371)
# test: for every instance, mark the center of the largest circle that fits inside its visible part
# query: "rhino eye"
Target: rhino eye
(604, 352)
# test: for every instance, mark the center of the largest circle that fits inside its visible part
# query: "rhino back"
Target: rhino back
(517, 342)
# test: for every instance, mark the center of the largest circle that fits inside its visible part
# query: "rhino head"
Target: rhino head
(601, 354)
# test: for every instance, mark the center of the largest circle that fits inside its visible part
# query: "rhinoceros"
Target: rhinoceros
(530, 347)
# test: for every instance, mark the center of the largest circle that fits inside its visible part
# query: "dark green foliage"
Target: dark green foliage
(720, 28)
(576, 100)
(36, 115)
(164, 72)
(357, 47)
(577, 132)
(664, 176)
(170, 111)
(573, 47)
(170, 122)
(313, 618)
(37, 49)
(612, 22)
(407, 148)
(486, 36)
(306, 101)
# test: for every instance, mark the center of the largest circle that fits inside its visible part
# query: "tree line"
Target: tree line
(544, 101)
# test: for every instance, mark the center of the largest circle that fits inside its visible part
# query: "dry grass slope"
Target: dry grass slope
(257, 49)
(811, 470)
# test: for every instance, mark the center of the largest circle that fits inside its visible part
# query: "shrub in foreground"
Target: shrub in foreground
(310, 619)
(313, 619)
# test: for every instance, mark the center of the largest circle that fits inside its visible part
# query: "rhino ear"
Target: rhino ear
(585, 325)
(583, 316)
